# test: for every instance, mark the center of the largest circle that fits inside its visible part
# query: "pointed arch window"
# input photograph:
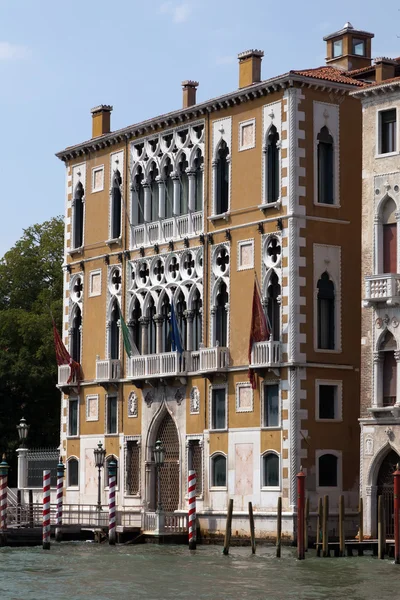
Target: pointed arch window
(114, 332)
(326, 312)
(181, 308)
(222, 179)
(184, 185)
(325, 165)
(273, 306)
(138, 197)
(198, 173)
(272, 165)
(78, 215)
(116, 205)
(166, 314)
(151, 330)
(221, 316)
(389, 235)
(169, 189)
(154, 193)
(76, 335)
(197, 320)
(135, 325)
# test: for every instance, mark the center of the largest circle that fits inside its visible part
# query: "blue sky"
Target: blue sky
(59, 59)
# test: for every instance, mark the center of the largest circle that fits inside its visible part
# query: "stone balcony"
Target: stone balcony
(64, 373)
(171, 364)
(266, 354)
(108, 370)
(384, 289)
(159, 232)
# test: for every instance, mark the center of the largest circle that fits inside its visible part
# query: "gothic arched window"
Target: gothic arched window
(272, 165)
(78, 215)
(197, 320)
(273, 306)
(166, 314)
(181, 317)
(198, 189)
(138, 197)
(76, 335)
(222, 175)
(135, 325)
(389, 242)
(325, 161)
(184, 185)
(154, 193)
(116, 205)
(389, 369)
(114, 332)
(326, 313)
(221, 316)
(151, 331)
(169, 189)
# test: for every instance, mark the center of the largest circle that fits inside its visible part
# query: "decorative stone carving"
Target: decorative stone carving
(149, 398)
(386, 319)
(132, 405)
(395, 322)
(379, 323)
(369, 446)
(179, 396)
(389, 432)
(194, 401)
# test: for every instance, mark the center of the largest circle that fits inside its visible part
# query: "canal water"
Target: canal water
(88, 571)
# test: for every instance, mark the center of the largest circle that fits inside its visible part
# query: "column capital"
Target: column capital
(144, 321)
(191, 173)
(189, 314)
(378, 357)
(158, 320)
(397, 355)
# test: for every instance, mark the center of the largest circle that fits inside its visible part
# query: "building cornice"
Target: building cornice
(376, 89)
(179, 117)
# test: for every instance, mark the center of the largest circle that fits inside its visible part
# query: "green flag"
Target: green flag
(129, 344)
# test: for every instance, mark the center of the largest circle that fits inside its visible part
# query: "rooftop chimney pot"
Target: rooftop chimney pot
(101, 119)
(250, 67)
(189, 89)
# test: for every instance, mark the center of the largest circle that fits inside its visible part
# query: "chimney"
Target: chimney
(384, 68)
(101, 120)
(250, 67)
(189, 93)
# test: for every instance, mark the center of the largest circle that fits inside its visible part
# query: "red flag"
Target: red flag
(259, 330)
(63, 357)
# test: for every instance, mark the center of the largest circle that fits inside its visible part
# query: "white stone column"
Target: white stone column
(397, 357)
(145, 324)
(158, 320)
(22, 468)
(161, 197)
(377, 399)
(189, 315)
(192, 190)
(214, 187)
(177, 193)
(397, 215)
(378, 250)
(147, 201)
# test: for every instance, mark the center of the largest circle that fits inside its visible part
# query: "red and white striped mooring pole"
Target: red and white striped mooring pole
(3, 493)
(60, 484)
(192, 501)
(112, 480)
(46, 510)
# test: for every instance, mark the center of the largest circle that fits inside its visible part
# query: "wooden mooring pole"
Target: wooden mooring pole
(396, 478)
(325, 517)
(306, 519)
(341, 526)
(228, 530)
(279, 528)
(381, 529)
(319, 527)
(252, 534)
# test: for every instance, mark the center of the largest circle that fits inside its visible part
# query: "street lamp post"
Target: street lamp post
(22, 451)
(99, 456)
(22, 429)
(159, 456)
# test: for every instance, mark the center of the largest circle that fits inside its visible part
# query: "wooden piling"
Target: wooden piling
(279, 528)
(306, 519)
(381, 529)
(325, 517)
(361, 520)
(319, 527)
(18, 506)
(228, 530)
(252, 534)
(30, 501)
(341, 526)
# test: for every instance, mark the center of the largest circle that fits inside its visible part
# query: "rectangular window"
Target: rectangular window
(387, 119)
(327, 401)
(271, 406)
(358, 47)
(337, 48)
(95, 283)
(73, 417)
(218, 408)
(132, 468)
(111, 414)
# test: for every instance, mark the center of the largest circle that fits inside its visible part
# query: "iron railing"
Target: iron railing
(38, 461)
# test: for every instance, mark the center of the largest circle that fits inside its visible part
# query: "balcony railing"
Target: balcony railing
(108, 370)
(165, 230)
(266, 354)
(64, 373)
(213, 359)
(166, 364)
(382, 288)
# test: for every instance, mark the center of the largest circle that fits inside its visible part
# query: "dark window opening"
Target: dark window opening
(327, 401)
(198, 189)
(389, 378)
(116, 206)
(388, 130)
(132, 468)
(111, 414)
(169, 189)
(221, 316)
(154, 193)
(325, 161)
(73, 472)
(151, 328)
(76, 335)
(274, 307)
(114, 333)
(197, 320)
(326, 313)
(78, 216)
(272, 165)
(73, 417)
(327, 466)
(271, 406)
(183, 185)
(271, 470)
(218, 408)
(222, 199)
(135, 325)
(138, 198)
(218, 471)
(166, 315)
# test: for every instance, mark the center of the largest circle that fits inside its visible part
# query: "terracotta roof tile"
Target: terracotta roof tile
(330, 74)
(362, 70)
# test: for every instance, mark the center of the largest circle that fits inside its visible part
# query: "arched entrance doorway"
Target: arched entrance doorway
(169, 474)
(385, 488)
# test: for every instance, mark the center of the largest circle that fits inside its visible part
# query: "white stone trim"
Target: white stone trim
(243, 385)
(326, 490)
(242, 125)
(271, 115)
(378, 132)
(338, 384)
(264, 384)
(326, 114)
(99, 168)
(107, 396)
(328, 258)
(72, 487)
(91, 294)
(73, 398)
(240, 244)
(211, 487)
(78, 175)
(93, 397)
(269, 488)
(221, 130)
(138, 440)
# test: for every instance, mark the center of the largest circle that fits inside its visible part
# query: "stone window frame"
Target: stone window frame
(238, 386)
(91, 274)
(219, 386)
(264, 383)
(138, 440)
(215, 488)
(378, 128)
(247, 242)
(99, 168)
(338, 383)
(91, 397)
(339, 473)
(107, 396)
(242, 125)
(270, 488)
(72, 487)
(75, 436)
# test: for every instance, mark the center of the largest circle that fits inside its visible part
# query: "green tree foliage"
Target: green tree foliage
(31, 289)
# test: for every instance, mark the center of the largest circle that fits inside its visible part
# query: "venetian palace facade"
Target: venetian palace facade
(185, 209)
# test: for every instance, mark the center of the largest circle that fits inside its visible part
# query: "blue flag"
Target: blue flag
(176, 338)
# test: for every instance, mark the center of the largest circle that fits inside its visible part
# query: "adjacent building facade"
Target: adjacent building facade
(182, 211)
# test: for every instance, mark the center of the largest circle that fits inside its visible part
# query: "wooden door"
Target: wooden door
(390, 248)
